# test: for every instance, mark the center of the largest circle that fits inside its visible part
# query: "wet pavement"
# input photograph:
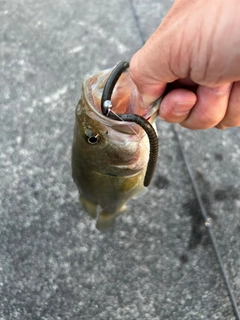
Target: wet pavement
(158, 261)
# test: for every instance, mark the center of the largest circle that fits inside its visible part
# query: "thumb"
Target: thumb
(148, 86)
(150, 67)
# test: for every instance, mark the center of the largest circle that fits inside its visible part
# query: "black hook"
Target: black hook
(106, 106)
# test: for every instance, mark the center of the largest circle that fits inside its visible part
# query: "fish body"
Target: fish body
(109, 157)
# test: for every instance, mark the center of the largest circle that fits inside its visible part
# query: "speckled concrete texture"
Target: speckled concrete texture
(157, 262)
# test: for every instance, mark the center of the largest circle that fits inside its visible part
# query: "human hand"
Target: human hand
(197, 50)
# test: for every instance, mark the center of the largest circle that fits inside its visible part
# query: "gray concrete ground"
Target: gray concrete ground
(157, 262)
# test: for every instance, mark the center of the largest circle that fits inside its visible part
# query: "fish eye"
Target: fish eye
(93, 139)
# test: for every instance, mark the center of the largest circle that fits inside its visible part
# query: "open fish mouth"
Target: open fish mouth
(107, 106)
(124, 97)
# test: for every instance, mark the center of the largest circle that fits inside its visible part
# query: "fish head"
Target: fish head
(108, 146)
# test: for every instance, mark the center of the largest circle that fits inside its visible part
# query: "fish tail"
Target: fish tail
(107, 219)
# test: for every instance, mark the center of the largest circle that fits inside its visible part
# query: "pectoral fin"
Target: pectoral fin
(89, 207)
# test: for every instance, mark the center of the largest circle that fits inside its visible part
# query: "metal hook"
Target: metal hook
(106, 106)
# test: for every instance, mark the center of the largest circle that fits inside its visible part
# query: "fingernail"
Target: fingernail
(182, 108)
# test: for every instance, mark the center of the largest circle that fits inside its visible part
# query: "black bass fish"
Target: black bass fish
(110, 155)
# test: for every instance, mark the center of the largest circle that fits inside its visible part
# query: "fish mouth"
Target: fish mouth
(124, 100)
